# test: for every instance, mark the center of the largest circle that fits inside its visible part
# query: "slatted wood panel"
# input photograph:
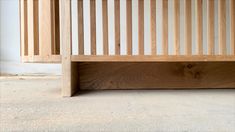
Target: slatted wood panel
(40, 41)
(186, 42)
(40, 31)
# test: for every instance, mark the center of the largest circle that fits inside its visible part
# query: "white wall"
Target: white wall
(10, 44)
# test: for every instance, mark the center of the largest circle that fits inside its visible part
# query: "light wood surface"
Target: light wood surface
(177, 26)
(153, 27)
(151, 58)
(165, 26)
(31, 30)
(105, 27)
(93, 26)
(199, 18)
(188, 27)
(232, 26)
(141, 26)
(222, 27)
(40, 32)
(80, 28)
(210, 27)
(117, 26)
(69, 69)
(45, 28)
(23, 28)
(129, 26)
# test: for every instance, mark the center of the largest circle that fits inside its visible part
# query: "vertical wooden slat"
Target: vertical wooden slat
(117, 26)
(232, 26)
(105, 27)
(93, 26)
(45, 28)
(210, 27)
(80, 28)
(153, 26)
(177, 26)
(141, 26)
(23, 28)
(129, 26)
(222, 27)
(188, 27)
(165, 26)
(31, 33)
(199, 27)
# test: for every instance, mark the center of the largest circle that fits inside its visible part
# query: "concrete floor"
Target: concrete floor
(35, 104)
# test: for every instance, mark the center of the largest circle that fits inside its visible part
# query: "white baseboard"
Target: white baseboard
(18, 68)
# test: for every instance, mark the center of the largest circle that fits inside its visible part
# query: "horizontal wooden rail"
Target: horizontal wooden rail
(151, 58)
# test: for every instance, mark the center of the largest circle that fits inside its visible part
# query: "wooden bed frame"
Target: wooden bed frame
(46, 36)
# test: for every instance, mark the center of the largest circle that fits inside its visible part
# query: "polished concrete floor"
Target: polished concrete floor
(34, 104)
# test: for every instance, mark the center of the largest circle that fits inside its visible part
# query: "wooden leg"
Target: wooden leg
(69, 69)
(70, 78)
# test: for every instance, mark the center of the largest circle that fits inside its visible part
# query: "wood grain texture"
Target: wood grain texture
(199, 14)
(42, 59)
(23, 28)
(45, 28)
(105, 27)
(141, 26)
(153, 27)
(36, 26)
(30, 24)
(232, 26)
(156, 75)
(210, 27)
(188, 27)
(152, 58)
(165, 27)
(93, 26)
(129, 26)
(80, 28)
(222, 27)
(69, 83)
(117, 26)
(177, 26)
